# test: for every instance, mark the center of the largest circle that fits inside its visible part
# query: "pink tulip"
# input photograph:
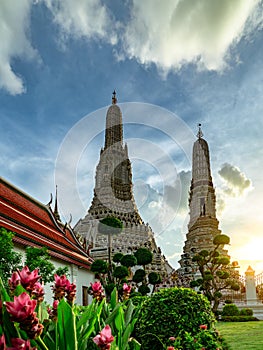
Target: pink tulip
(27, 278)
(21, 308)
(172, 338)
(104, 338)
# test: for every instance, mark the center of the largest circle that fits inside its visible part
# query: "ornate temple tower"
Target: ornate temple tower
(113, 196)
(203, 224)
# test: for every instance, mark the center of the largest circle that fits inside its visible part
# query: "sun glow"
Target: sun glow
(250, 254)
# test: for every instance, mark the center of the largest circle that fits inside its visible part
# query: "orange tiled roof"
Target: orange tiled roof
(34, 224)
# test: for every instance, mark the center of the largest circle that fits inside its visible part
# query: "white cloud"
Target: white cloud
(82, 19)
(236, 181)
(173, 33)
(14, 24)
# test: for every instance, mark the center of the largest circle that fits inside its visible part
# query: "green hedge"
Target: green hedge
(238, 318)
(171, 312)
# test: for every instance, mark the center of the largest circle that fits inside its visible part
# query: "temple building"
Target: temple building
(113, 196)
(203, 224)
(37, 225)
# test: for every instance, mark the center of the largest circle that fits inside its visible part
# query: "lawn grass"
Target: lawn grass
(242, 335)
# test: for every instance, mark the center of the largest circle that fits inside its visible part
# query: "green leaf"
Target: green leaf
(114, 298)
(89, 318)
(66, 327)
(135, 345)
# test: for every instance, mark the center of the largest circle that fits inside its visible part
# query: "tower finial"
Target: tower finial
(200, 133)
(56, 213)
(114, 98)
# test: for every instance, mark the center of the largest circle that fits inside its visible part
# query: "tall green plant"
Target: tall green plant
(217, 273)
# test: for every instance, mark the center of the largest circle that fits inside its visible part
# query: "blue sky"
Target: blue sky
(174, 64)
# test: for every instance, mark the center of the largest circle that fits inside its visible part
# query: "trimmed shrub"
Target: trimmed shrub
(230, 310)
(171, 312)
(246, 312)
(238, 318)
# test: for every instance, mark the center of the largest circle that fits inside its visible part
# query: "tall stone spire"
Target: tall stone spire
(113, 196)
(203, 224)
(114, 132)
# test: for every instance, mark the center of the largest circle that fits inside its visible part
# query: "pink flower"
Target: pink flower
(104, 338)
(27, 278)
(61, 281)
(20, 344)
(170, 348)
(22, 311)
(14, 281)
(203, 326)
(97, 291)
(2, 342)
(96, 287)
(172, 338)
(71, 290)
(126, 288)
(55, 304)
(38, 292)
(61, 286)
(21, 307)
(53, 313)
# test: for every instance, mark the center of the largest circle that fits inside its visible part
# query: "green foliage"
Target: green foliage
(246, 312)
(62, 271)
(110, 225)
(139, 276)
(76, 326)
(38, 258)
(120, 272)
(9, 259)
(154, 278)
(128, 260)
(221, 240)
(117, 257)
(238, 318)
(204, 339)
(230, 310)
(216, 272)
(99, 266)
(168, 313)
(143, 289)
(144, 256)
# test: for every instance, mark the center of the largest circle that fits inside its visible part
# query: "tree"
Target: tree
(128, 260)
(217, 273)
(9, 259)
(144, 256)
(154, 278)
(38, 258)
(109, 226)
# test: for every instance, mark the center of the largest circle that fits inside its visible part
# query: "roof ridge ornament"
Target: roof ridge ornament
(114, 98)
(200, 133)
